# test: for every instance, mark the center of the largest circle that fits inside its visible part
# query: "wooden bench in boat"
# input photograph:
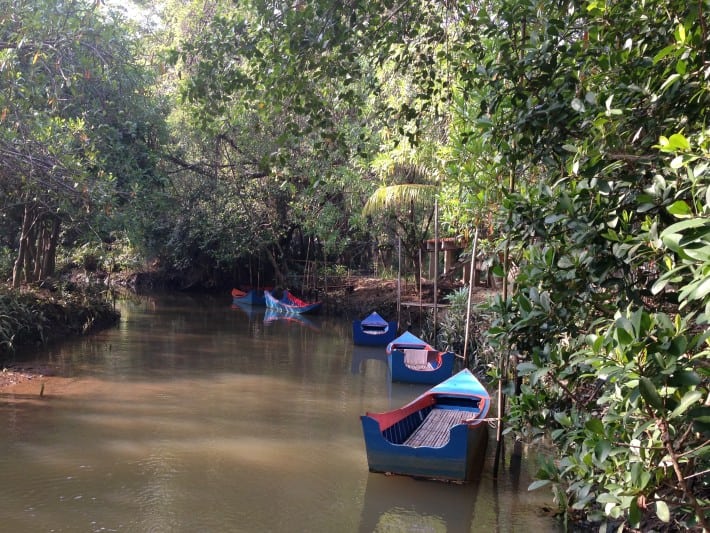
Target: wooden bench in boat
(434, 430)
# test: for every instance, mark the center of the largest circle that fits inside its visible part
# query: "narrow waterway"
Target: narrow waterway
(194, 416)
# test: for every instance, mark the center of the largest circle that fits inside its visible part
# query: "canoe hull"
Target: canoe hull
(252, 297)
(440, 369)
(287, 305)
(441, 435)
(364, 336)
(455, 462)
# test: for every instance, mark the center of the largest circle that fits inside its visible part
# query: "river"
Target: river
(194, 416)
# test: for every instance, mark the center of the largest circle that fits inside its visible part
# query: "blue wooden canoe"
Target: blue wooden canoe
(440, 435)
(374, 331)
(288, 303)
(250, 297)
(411, 360)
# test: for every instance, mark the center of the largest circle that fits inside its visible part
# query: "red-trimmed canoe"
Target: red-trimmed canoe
(250, 297)
(411, 360)
(374, 331)
(441, 435)
(288, 303)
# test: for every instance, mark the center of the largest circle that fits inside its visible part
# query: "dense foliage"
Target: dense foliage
(604, 128)
(573, 135)
(77, 130)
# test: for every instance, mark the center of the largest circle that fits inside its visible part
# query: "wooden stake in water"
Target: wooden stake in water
(471, 277)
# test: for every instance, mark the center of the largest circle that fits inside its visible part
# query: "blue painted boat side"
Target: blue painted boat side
(400, 372)
(408, 340)
(364, 337)
(453, 462)
(252, 297)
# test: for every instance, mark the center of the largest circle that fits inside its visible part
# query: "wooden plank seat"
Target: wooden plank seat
(434, 430)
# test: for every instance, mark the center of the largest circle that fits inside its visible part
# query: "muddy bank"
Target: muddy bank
(40, 314)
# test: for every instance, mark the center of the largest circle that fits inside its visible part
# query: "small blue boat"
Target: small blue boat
(251, 297)
(411, 360)
(288, 303)
(441, 435)
(373, 331)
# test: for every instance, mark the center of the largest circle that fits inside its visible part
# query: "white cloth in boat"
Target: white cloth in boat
(419, 359)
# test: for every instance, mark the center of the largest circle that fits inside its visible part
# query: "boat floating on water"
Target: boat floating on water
(374, 331)
(250, 297)
(411, 360)
(288, 303)
(440, 435)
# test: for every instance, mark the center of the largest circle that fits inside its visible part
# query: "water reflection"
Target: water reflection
(397, 503)
(362, 354)
(193, 416)
(273, 316)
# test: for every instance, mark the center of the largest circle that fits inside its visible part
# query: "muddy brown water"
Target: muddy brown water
(194, 416)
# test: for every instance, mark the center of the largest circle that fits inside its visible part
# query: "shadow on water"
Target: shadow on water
(362, 354)
(398, 503)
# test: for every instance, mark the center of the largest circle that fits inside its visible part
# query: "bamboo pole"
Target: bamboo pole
(436, 262)
(399, 282)
(471, 277)
(421, 288)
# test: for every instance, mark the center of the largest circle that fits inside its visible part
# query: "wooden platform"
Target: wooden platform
(424, 305)
(434, 431)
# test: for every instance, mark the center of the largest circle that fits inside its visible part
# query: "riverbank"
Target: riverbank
(43, 313)
(31, 382)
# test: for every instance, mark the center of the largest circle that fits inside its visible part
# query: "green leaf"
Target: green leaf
(634, 513)
(662, 511)
(663, 53)
(563, 419)
(607, 498)
(684, 378)
(679, 209)
(595, 426)
(679, 227)
(689, 399)
(526, 368)
(677, 346)
(624, 331)
(539, 484)
(602, 450)
(678, 142)
(649, 393)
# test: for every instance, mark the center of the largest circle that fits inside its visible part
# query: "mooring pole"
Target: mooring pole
(436, 261)
(399, 282)
(471, 277)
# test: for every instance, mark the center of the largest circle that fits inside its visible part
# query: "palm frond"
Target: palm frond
(399, 195)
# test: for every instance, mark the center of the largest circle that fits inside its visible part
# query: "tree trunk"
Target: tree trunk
(36, 257)
(280, 278)
(49, 255)
(19, 266)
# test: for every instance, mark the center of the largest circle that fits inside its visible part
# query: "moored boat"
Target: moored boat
(441, 435)
(412, 360)
(373, 331)
(288, 303)
(250, 297)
